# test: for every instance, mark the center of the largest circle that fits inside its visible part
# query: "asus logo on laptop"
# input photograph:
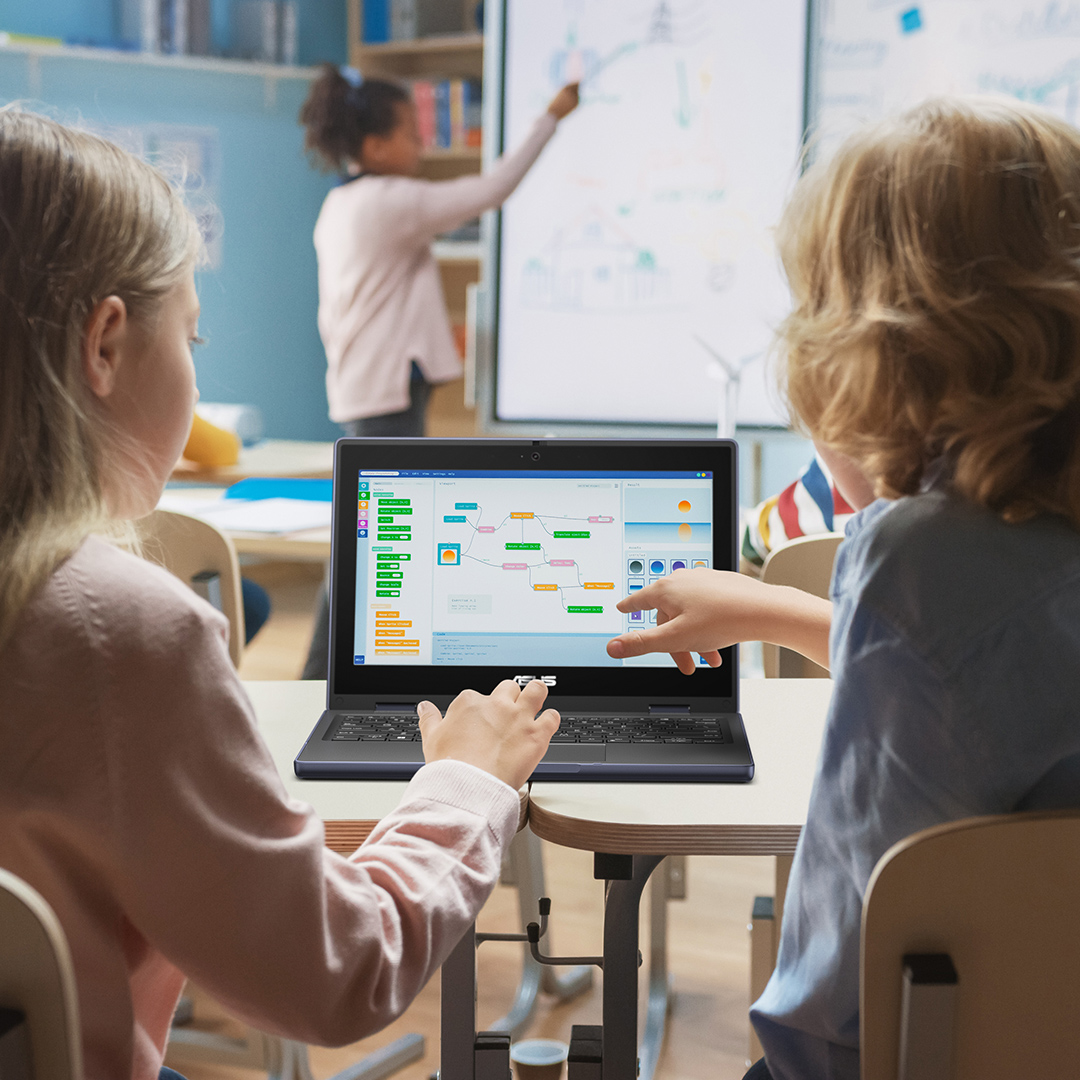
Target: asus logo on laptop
(524, 680)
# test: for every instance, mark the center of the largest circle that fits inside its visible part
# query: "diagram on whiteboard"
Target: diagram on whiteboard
(880, 58)
(645, 227)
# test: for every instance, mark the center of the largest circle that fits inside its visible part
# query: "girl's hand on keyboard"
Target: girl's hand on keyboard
(498, 732)
(702, 611)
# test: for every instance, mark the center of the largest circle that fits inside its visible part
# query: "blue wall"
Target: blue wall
(259, 307)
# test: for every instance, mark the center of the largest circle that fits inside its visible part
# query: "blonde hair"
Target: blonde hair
(935, 267)
(80, 220)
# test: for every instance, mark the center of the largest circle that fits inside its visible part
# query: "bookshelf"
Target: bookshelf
(38, 51)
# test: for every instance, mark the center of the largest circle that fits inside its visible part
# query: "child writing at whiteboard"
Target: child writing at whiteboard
(136, 793)
(382, 315)
(933, 354)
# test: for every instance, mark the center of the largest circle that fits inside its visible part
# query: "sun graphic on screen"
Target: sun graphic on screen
(449, 555)
(684, 506)
(685, 532)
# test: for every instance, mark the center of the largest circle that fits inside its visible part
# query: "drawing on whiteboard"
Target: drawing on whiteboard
(594, 265)
(665, 23)
(1053, 20)
(863, 55)
(1059, 91)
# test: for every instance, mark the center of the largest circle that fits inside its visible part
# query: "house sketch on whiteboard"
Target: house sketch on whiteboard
(594, 265)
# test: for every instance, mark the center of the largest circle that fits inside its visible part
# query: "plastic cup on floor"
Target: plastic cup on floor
(538, 1059)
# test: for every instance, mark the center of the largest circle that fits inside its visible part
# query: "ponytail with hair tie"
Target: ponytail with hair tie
(353, 77)
(338, 118)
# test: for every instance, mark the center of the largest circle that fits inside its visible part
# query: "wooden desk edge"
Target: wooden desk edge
(617, 839)
(344, 837)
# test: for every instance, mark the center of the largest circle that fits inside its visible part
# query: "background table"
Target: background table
(306, 545)
(268, 457)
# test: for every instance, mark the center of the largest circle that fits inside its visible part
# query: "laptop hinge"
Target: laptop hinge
(653, 709)
(395, 706)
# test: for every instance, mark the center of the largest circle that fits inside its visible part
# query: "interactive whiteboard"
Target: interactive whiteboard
(877, 57)
(637, 276)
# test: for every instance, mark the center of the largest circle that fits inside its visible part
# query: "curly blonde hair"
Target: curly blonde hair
(80, 219)
(934, 262)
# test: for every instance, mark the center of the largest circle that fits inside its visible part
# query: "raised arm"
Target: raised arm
(445, 204)
(702, 611)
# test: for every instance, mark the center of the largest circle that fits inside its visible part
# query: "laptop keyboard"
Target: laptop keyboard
(402, 727)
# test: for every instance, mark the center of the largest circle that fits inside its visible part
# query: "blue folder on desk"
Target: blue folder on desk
(275, 487)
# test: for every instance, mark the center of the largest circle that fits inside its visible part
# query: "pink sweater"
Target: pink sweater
(380, 297)
(137, 796)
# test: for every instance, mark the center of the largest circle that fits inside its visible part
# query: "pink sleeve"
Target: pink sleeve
(231, 880)
(439, 205)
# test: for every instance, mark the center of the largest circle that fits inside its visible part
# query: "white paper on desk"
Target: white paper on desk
(187, 501)
(268, 515)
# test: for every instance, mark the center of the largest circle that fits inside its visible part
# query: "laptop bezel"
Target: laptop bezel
(608, 689)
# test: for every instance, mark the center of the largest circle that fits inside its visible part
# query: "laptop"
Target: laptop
(457, 563)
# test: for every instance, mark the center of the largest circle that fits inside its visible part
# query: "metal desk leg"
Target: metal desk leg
(458, 1019)
(652, 1041)
(621, 917)
(527, 868)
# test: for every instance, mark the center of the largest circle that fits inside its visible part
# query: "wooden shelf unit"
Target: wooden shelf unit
(448, 56)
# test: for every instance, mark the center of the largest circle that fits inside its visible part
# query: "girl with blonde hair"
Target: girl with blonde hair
(933, 354)
(136, 794)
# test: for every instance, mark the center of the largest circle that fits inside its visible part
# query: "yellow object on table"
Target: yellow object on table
(210, 445)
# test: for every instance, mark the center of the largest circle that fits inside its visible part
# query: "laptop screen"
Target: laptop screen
(500, 563)
(496, 567)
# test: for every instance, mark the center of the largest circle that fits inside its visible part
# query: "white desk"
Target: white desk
(784, 722)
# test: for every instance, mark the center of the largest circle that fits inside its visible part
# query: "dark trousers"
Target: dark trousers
(406, 424)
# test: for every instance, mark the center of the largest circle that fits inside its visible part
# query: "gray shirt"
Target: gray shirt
(955, 647)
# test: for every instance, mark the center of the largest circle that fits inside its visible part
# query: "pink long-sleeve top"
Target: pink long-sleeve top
(137, 796)
(380, 297)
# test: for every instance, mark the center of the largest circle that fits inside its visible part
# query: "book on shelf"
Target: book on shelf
(266, 30)
(448, 113)
(175, 27)
(408, 20)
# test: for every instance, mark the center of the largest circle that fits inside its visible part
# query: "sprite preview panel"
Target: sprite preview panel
(510, 568)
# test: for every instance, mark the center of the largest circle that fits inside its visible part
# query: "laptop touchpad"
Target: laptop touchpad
(566, 752)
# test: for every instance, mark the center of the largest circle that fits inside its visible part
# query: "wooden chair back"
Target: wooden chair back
(804, 563)
(999, 895)
(37, 980)
(192, 549)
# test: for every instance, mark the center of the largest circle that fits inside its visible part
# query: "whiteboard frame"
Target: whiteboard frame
(487, 296)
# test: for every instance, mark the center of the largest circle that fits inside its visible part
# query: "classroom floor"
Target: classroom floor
(708, 937)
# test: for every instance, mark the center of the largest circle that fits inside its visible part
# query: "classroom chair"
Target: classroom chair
(803, 563)
(39, 1010)
(203, 556)
(970, 952)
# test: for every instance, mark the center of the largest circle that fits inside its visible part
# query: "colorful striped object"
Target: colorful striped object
(808, 506)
